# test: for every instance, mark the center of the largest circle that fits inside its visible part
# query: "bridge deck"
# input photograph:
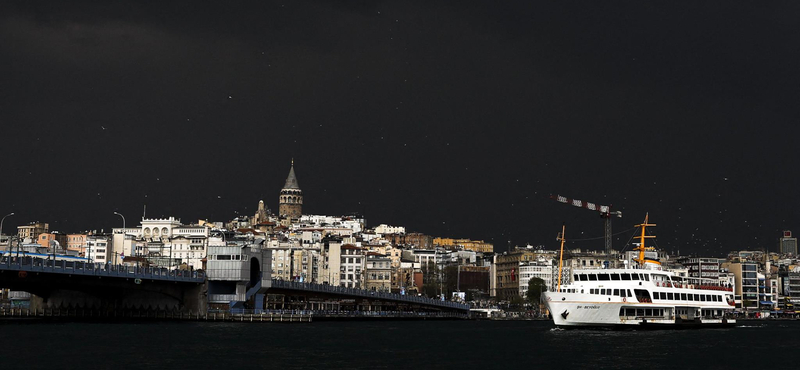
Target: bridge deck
(322, 288)
(32, 264)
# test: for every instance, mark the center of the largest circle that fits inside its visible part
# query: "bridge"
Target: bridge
(76, 284)
(64, 284)
(335, 300)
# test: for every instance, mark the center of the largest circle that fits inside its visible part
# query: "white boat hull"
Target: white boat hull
(570, 313)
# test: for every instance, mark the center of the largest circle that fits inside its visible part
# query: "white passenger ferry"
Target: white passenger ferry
(642, 297)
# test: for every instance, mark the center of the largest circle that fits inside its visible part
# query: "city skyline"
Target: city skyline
(451, 120)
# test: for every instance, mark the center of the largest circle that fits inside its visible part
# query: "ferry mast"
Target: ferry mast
(641, 248)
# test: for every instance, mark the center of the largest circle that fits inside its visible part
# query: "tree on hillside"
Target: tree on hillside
(535, 288)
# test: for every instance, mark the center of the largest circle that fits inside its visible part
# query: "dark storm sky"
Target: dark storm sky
(453, 119)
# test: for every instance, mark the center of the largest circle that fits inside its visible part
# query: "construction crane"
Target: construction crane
(605, 214)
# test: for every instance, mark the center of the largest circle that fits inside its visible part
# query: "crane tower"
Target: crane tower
(605, 214)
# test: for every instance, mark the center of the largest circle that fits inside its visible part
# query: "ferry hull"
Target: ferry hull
(605, 315)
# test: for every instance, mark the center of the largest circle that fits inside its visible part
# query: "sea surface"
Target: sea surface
(31, 344)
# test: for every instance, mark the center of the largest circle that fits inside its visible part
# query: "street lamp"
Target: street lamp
(8, 240)
(123, 230)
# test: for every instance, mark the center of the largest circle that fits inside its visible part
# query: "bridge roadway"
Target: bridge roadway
(296, 287)
(63, 284)
(32, 264)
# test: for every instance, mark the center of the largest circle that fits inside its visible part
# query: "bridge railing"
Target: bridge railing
(335, 313)
(366, 293)
(35, 264)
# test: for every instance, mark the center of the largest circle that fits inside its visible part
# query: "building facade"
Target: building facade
(788, 244)
(32, 230)
(378, 273)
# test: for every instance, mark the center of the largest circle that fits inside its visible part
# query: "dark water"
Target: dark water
(388, 345)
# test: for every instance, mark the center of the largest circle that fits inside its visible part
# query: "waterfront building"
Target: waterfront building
(32, 230)
(701, 267)
(290, 201)
(746, 289)
(474, 278)
(233, 269)
(352, 265)
(77, 243)
(378, 272)
(507, 272)
(407, 276)
(54, 241)
(98, 249)
(542, 269)
(165, 242)
(792, 289)
(788, 244)
(330, 261)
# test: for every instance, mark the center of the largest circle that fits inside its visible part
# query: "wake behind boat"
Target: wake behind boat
(645, 296)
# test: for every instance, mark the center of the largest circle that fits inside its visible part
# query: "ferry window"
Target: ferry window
(707, 297)
(639, 312)
(683, 296)
(669, 296)
(575, 277)
(691, 297)
(602, 292)
(629, 293)
(625, 276)
(583, 277)
(616, 292)
(635, 277)
(647, 277)
(602, 276)
(648, 312)
(622, 312)
(592, 277)
(697, 297)
(663, 295)
(614, 276)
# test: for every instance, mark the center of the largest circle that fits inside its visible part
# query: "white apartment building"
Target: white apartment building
(355, 225)
(164, 241)
(98, 249)
(352, 266)
(542, 269)
(384, 229)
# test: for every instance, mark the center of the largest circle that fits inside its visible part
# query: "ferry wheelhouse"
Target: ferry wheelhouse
(643, 296)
